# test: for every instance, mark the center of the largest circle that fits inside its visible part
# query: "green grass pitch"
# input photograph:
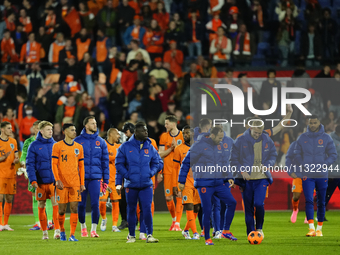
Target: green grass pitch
(281, 237)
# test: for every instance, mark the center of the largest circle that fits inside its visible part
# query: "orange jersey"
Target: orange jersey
(7, 168)
(269, 131)
(166, 140)
(68, 164)
(179, 154)
(112, 148)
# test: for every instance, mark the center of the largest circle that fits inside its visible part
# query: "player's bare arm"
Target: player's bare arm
(16, 158)
(279, 127)
(4, 157)
(163, 153)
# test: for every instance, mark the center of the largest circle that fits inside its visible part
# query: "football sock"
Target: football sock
(94, 227)
(319, 226)
(83, 225)
(7, 212)
(115, 213)
(311, 224)
(42, 218)
(102, 209)
(55, 217)
(35, 209)
(138, 212)
(73, 223)
(191, 221)
(295, 204)
(61, 219)
(49, 210)
(152, 208)
(179, 209)
(171, 208)
(0, 213)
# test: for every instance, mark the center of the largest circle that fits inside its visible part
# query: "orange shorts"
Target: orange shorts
(190, 196)
(44, 191)
(113, 195)
(69, 194)
(297, 185)
(168, 186)
(8, 186)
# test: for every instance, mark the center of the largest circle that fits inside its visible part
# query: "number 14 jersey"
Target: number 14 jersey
(68, 163)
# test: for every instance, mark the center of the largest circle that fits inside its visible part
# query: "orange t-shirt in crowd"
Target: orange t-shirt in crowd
(25, 126)
(68, 164)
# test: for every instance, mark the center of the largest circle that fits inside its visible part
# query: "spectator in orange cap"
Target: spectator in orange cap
(234, 22)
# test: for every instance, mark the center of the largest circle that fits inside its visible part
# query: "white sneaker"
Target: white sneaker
(1, 228)
(57, 234)
(115, 229)
(261, 231)
(103, 225)
(218, 235)
(45, 235)
(6, 227)
(131, 239)
(196, 236)
(186, 234)
(151, 239)
(142, 236)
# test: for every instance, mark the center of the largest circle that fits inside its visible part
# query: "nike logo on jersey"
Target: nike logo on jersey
(245, 146)
(305, 141)
(63, 150)
(40, 149)
(130, 151)
(81, 143)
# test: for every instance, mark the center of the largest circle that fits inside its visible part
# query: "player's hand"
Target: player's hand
(293, 175)
(231, 183)
(246, 176)
(181, 186)
(16, 160)
(23, 164)
(35, 185)
(82, 188)
(179, 194)
(109, 189)
(60, 185)
(175, 190)
(173, 144)
(119, 189)
(159, 178)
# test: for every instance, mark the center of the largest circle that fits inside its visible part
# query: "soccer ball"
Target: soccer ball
(255, 237)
